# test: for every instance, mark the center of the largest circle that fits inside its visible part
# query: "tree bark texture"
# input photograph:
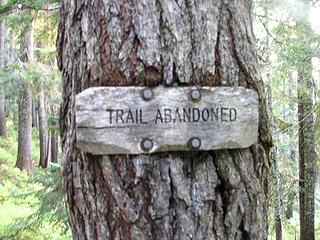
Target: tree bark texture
(24, 158)
(43, 135)
(3, 127)
(193, 195)
(307, 153)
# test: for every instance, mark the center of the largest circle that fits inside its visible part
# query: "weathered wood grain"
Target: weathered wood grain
(116, 120)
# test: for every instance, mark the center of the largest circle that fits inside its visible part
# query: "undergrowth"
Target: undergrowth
(31, 203)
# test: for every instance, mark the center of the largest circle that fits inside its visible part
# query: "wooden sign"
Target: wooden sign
(135, 120)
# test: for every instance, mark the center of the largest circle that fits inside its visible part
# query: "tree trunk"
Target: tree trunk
(35, 116)
(194, 195)
(3, 127)
(275, 174)
(48, 150)
(54, 147)
(24, 158)
(307, 154)
(43, 135)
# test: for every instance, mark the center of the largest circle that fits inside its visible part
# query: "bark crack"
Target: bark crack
(190, 16)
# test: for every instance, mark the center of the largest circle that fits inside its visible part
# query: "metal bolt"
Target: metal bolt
(147, 94)
(194, 143)
(195, 95)
(146, 144)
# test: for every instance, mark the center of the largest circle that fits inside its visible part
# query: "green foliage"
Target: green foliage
(36, 5)
(50, 207)
(31, 204)
(286, 45)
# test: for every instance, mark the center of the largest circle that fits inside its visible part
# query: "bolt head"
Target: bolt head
(195, 95)
(194, 143)
(147, 94)
(146, 144)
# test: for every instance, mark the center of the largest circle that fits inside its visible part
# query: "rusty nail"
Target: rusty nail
(147, 94)
(194, 143)
(195, 95)
(146, 144)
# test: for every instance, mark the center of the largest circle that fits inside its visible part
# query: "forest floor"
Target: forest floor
(30, 205)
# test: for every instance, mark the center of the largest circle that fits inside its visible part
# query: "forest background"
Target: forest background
(32, 201)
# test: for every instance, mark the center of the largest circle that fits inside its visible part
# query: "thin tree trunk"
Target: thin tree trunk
(15, 116)
(48, 150)
(43, 136)
(307, 154)
(293, 146)
(24, 158)
(3, 127)
(35, 116)
(54, 151)
(205, 195)
(54, 147)
(275, 174)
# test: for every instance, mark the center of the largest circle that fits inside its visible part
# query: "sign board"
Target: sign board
(135, 120)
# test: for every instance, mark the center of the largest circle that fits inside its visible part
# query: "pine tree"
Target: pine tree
(24, 158)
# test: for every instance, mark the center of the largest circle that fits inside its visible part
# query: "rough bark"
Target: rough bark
(24, 158)
(3, 128)
(275, 174)
(195, 195)
(307, 154)
(43, 135)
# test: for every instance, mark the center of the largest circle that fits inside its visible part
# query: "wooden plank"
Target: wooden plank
(135, 120)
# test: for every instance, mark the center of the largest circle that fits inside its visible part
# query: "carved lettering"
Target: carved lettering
(205, 114)
(224, 115)
(167, 115)
(119, 114)
(141, 118)
(158, 117)
(130, 117)
(233, 114)
(214, 113)
(175, 115)
(186, 115)
(195, 115)
(114, 120)
(110, 114)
